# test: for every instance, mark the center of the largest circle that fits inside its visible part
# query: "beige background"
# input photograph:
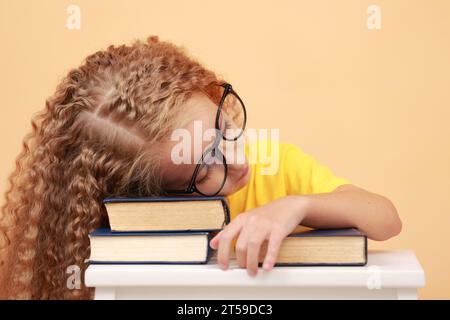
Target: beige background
(373, 105)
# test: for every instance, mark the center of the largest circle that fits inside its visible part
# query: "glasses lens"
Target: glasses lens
(232, 117)
(211, 175)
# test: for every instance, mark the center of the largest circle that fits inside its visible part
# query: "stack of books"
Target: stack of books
(159, 230)
(177, 230)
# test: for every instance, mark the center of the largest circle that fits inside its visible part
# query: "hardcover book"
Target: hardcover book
(322, 247)
(167, 213)
(148, 247)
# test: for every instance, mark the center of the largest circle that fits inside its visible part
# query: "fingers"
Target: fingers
(248, 245)
(226, 237)
(273, 248)
(214, 242)
(241, 248)
(254, 246)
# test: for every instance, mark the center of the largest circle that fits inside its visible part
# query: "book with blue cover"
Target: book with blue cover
(322, 247)
(149, 247)
(154, 214)
(331, 247)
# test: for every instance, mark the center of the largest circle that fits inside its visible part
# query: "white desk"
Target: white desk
(388, 275)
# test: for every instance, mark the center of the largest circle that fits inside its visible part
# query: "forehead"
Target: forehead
(197, 113)
(198, 109)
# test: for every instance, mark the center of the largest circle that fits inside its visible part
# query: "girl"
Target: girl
(108, 131)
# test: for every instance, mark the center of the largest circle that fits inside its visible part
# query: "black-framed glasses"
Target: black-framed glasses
(231, 119)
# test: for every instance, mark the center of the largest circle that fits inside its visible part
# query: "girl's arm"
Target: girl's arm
(347, 206)
(351, 206)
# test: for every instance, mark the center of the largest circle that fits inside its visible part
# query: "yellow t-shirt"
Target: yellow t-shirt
(278, 172)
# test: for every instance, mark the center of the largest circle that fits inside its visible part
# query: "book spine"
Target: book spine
(365, 250)
(226, 210)
(208, 248)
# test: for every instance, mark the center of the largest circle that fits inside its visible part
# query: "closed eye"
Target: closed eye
(202, 174)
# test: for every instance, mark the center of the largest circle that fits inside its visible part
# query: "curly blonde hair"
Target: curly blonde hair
(95, 138)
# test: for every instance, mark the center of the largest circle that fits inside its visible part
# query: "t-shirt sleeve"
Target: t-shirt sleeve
(305, 175)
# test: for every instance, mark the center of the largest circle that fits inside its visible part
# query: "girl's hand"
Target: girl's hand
(272, 222)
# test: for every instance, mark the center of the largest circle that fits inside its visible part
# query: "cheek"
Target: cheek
(176, 176)
(234, 152)
(235, 181)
